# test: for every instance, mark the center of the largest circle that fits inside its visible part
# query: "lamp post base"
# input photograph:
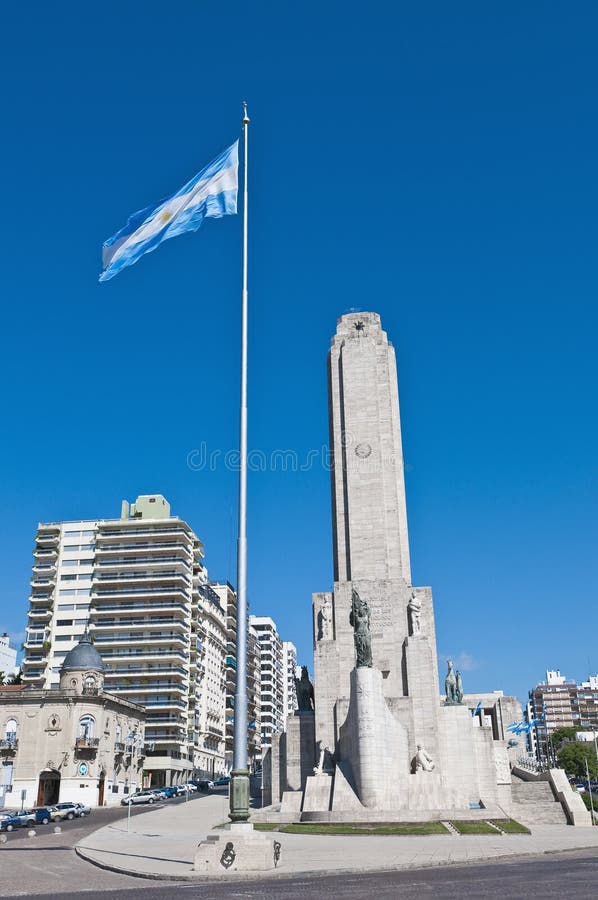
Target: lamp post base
(237, 849)
(239, 796)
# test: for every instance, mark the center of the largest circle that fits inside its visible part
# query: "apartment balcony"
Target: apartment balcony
(140, 535)
(46, 540)
(180, 610)
(127, 592)
(146, 655)
(40, 598)
(135, 672)
(157, 581)
(119, 747)
(161, 704)
(40, 615)
(43, 582)
(45, 554)
(44, 568)
(149, 624)
(114, 563)
(90, 744)
(167, 686)
(8, 746)
(154, 639)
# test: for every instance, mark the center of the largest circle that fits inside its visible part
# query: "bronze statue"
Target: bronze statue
(360, 620)
(305, 692)
(450, 684)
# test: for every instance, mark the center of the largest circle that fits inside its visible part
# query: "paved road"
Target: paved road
(571, 876)
(79, 828)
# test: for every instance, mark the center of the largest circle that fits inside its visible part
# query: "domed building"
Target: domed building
(78, 743)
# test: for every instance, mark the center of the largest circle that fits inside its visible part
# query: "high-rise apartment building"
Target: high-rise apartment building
(140, 583)
(272, 678)
(563, 703)
(289, 665)
(228, 598)
(8, 656)
(209, 703)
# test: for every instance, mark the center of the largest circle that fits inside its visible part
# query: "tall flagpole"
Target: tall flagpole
(239, 786)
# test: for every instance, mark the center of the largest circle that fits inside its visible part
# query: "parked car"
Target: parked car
(84, 809)
(220, 782)
(191, 787)
(43, 814)
(67, 811)
(204, 785)
(17, 818)
(169, 792)
(141, 797)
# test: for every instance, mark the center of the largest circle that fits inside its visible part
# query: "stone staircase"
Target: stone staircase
(534, 803)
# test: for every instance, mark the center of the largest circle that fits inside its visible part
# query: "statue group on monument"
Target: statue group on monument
(305, 692)
(360, 620)
(453, 686)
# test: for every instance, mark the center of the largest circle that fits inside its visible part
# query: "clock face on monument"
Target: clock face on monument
(363, 451)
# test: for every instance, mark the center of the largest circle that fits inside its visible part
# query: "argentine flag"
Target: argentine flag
(212, 193)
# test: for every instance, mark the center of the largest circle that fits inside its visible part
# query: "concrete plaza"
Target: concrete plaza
(161, 845)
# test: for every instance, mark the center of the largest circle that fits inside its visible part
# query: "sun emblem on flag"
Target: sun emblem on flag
(166, 216)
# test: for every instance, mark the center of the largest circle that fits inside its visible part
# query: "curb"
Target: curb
(278, 874)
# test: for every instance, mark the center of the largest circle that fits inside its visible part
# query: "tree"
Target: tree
(572, 757)
(15, 679)
(562, 736)
(2, 677)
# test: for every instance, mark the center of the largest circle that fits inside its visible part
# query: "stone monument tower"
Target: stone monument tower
(387, 744)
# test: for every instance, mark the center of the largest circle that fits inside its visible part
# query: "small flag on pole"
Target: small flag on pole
(212, 193)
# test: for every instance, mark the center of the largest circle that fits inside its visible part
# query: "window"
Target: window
(6, 775)
(11, 730)
(64, 622)
(86, 726)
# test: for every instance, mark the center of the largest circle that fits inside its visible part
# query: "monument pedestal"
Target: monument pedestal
(373, 744)
(238, 848)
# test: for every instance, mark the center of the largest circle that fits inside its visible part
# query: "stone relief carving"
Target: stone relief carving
(415, 608)
(325, 620)
(422, 761)
(360, 620)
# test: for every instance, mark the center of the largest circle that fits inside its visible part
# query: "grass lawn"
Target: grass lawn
(511, 826)
(329, 828)
(474, 827)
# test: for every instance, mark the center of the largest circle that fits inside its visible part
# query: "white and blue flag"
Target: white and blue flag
(212, 193)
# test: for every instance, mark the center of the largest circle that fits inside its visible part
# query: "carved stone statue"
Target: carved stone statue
(450, 684)
(415, 608)
(422, 761)
(305, 691)
(325, 761)
(459, 687)
(325, 621)
(360, 620)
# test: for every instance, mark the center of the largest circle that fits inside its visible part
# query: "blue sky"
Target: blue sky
(433, 162)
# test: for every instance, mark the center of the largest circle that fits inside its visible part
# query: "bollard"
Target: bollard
(32, 832)
(57, 829)
(3, 838)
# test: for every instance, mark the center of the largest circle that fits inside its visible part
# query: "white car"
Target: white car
(141, 797)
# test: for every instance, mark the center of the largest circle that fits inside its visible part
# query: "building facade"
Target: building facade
(140, 584)
(272, 678)
(559, 702)
(8, 656)
(228, 599)
(76, 743)
(289, 665)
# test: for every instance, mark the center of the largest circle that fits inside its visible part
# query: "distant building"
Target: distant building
(77, 743)
(140, 584)
(8, 656)
(289, 665)
(228, 598)
(559, 702)
(272, 678)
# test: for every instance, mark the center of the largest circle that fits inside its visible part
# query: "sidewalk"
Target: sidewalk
(161, 844)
